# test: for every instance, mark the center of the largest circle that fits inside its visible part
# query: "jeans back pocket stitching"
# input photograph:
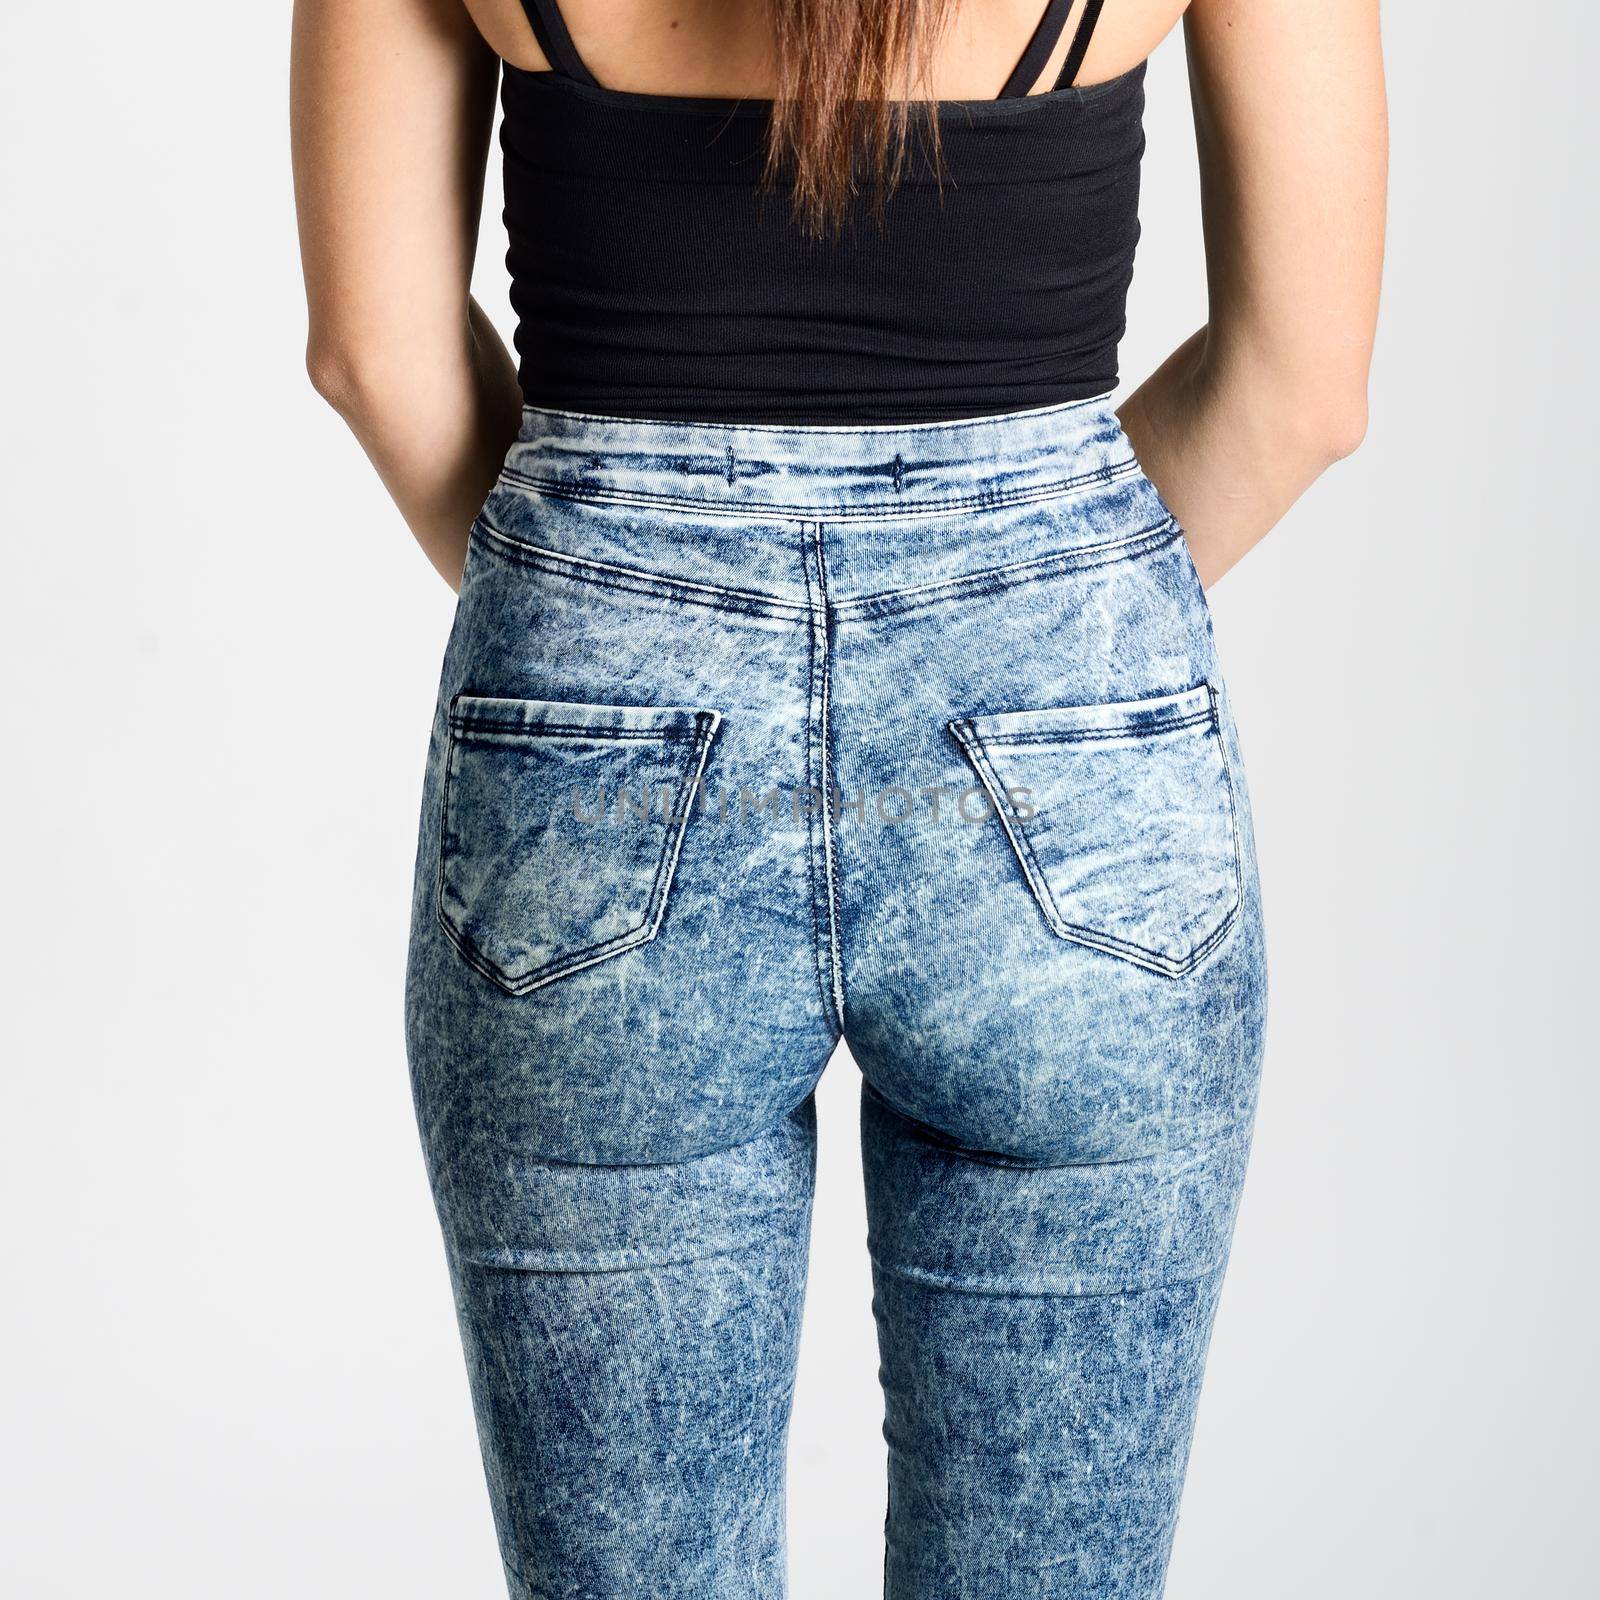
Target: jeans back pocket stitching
(967, 736)
(706, 724)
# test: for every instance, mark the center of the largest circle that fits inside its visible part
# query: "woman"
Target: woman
(828, 663)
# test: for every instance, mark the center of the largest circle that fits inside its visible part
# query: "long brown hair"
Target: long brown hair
(852, 79)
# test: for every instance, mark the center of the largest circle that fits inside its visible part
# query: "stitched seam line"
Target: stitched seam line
(564, 730)
(619, 1262)
(825, 766)
(1233, 810)
(1019, 842)
(540, 976)
(977, 585)
(1088, 735)
(1153, 959)
(982, 500)
(926, 1279)
(632, 579)
(823, 995)
(668, 863)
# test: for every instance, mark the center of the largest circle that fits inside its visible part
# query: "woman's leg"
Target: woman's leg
(1055, 990)
(616, 1021)
(1043, 1333)
(631, 1339)
(1051, 1193)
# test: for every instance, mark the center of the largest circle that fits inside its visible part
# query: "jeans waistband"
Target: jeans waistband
(892, 470)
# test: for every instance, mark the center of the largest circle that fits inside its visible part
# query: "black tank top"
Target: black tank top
(652, 277)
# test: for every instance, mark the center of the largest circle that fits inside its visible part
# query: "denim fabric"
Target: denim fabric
(751, 736)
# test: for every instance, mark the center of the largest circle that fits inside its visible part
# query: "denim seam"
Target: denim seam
(896, 510)
(825, 769)
(995, 580)
(1021, 741)
(829, 1010)
(1233, 798)
(635, 580)
(614, 1261)
(864, 608)
(516, 1572)
(924, 1278)
(692, 1154)
(564, 730)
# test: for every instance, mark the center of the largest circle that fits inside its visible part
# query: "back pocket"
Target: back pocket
(561, 830)
(1122, 820)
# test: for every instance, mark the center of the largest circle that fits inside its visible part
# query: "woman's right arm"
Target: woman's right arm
(1290, 118)
(392, 102)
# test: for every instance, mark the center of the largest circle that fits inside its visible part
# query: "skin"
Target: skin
(392, 105)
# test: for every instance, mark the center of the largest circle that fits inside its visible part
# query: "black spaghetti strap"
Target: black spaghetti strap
(1079, 47)
(1026, 72)
(550, 29)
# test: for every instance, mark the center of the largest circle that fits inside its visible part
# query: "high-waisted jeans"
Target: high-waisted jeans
(749, 739)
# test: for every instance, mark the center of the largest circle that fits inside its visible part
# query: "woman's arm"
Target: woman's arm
(1290, 118)
(392, 102)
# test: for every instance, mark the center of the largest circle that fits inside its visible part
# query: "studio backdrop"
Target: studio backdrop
(228, 1359)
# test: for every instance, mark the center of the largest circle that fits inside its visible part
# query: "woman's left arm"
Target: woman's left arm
(1292, 132)
(392, 103)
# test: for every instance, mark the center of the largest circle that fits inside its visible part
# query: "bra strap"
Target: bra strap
(550, 29)
(1079, 47)
(1026, 72)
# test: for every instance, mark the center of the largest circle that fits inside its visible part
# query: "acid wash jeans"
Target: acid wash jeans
(751, 738)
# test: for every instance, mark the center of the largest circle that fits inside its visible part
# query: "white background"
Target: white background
(227, 1351)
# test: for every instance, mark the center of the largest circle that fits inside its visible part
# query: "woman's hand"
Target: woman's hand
(392, 102)
(1291, 124)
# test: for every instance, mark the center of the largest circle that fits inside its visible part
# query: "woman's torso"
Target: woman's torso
(653, 277)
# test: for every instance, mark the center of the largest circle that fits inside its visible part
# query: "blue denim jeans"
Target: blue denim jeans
(749, 738)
